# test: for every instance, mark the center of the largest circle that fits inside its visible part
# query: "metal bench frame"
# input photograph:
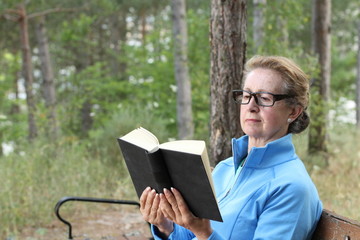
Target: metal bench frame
(87, 199)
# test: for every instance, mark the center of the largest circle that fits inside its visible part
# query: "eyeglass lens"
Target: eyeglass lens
(263, 99)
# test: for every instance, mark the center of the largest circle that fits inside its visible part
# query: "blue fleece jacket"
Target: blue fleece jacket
(270, 197)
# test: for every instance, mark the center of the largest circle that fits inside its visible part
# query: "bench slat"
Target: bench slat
(335, 227)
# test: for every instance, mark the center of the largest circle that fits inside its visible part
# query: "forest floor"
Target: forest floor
(98, 224)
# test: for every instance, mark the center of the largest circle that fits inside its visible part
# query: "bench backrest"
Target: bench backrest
(335, 227)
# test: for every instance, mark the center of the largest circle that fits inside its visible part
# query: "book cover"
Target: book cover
(181, 164)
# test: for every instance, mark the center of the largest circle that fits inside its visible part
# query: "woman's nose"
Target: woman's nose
(253, 106)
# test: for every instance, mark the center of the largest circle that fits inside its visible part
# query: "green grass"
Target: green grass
(338, 183)
(35, 178)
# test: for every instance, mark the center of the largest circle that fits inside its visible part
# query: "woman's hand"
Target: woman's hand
(174, 207)
(151, 212)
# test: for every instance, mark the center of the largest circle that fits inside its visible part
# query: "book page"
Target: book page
(142, 138)
(205, 159)
(188, 146)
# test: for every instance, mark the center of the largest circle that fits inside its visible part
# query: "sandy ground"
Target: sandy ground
(99, 224)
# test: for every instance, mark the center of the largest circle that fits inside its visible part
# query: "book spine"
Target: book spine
(159, 171)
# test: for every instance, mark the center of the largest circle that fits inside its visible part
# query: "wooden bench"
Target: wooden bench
(335, 227)
(330, 227)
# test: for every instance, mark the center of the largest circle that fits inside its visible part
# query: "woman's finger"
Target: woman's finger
(146, 202)
(153, 212)
(166, 208)
(143, 198)
(181, 204)
(173, 202)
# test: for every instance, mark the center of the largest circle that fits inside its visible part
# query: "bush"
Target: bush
(103, 141)
(34, 178)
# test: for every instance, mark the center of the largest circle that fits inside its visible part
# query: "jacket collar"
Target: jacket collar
(278, 151)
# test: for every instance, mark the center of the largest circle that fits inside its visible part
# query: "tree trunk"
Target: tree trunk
(27, 72)
(115, 44)
(86, 119)
(322, 43)
(48, 85)
(184, 101)
(118, 31)
(15, 107)
(123, 32)
(258, 24)
(358, 82)
(321, 46)
(1, 142)
(143, 23)
(228, 48)
(117, 39)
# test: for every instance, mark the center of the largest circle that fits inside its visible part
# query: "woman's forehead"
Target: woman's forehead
(263, 80)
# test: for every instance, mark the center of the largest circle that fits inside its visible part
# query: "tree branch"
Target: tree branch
(53, 10)
(14, 11)
(9, 14)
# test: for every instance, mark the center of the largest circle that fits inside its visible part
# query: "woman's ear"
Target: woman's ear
(296, 111)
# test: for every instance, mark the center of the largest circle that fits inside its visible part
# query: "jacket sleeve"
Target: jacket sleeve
(183, 234)
(215, 236)
(178, 233)
(289, 213)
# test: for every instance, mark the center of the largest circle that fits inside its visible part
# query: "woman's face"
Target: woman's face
(265, 124)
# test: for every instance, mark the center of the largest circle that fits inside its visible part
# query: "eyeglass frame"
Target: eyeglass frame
(277, 97)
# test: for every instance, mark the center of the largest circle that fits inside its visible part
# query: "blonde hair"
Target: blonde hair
(296, 83)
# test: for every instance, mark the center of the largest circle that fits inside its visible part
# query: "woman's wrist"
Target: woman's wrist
(204, 233)
(166, 229)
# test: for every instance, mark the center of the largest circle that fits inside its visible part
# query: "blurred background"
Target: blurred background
(75, 75)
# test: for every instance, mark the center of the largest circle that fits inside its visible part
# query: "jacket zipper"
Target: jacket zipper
(237, 177)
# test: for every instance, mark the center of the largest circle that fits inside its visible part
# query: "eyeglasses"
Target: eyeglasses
(264, 99)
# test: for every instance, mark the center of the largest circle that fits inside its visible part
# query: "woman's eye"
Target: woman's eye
(266, 98)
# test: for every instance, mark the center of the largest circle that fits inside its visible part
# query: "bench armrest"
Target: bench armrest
(87, 199)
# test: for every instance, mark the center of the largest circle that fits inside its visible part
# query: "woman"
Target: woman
(263, 190)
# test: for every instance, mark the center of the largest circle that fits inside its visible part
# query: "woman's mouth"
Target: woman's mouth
(252, 120)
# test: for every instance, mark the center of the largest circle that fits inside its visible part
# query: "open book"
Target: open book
(182, 164)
